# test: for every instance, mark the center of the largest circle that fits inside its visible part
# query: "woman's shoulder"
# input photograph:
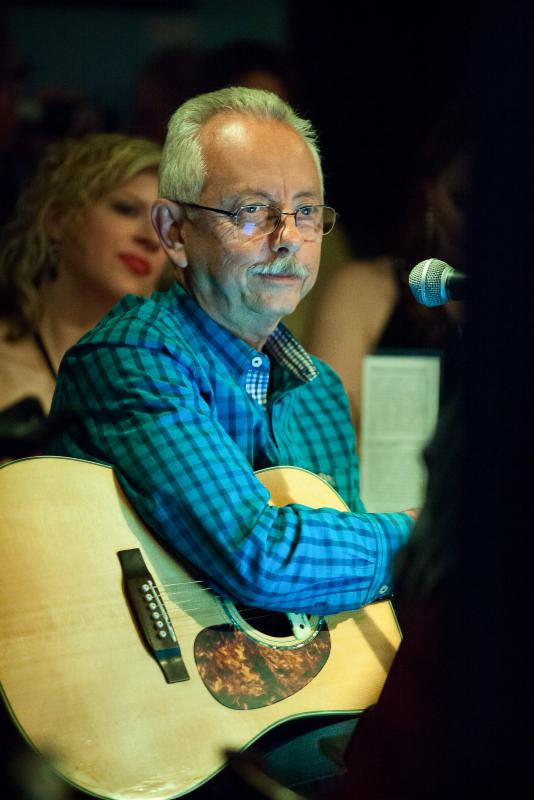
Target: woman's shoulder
(23, 373)
(372, 271)
(365, 284)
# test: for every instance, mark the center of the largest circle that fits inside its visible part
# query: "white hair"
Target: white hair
(183, 171)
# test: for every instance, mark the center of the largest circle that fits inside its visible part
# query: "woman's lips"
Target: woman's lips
(137, 264)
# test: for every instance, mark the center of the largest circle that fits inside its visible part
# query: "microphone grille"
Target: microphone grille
(425, 281)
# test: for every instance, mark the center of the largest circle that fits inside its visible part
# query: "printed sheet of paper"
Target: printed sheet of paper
(400, 406)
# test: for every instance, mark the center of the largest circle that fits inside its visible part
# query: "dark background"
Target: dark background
(371, 78)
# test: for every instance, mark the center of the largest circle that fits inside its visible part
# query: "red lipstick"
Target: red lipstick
(137, 264)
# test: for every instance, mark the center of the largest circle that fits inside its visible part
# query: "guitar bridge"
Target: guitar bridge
(151, 615)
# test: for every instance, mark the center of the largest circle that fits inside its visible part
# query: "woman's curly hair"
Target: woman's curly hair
(71, 175)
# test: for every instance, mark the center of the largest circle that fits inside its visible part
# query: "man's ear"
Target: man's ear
(167, 218)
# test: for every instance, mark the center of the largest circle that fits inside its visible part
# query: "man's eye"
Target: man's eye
(308, 211)
(252, 209)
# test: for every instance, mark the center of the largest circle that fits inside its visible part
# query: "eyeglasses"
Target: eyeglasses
(260, 220)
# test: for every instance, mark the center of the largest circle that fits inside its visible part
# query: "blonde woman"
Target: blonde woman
(80, 238)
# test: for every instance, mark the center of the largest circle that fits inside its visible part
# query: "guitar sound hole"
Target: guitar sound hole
(268, 622)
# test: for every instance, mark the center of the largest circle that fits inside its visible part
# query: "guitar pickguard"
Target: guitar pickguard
(242, 674)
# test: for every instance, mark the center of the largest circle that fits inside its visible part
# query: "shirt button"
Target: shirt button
(383, 589)
(256, 361)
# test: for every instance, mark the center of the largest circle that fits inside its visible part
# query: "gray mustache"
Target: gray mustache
(282, 266)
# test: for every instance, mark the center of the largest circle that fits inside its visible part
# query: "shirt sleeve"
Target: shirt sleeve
(152, 418)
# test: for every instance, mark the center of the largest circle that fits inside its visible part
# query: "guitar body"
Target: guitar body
(80, 681)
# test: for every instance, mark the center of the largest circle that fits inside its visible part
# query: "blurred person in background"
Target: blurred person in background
(14, 167)
(167, 79)
(254, 64)
(79, 239)
(368, 305)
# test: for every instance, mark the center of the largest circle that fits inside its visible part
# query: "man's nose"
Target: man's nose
(286, 237)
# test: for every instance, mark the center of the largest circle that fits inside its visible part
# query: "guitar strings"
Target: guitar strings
(180, 596)
(186, 598)
(204, 587)
(255, 616)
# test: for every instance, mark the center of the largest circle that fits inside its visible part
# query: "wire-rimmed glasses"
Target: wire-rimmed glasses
(257, 219)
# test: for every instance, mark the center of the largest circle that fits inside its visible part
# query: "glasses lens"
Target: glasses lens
(256, 220)
(314, 221)
(260, 220)
(329, 219)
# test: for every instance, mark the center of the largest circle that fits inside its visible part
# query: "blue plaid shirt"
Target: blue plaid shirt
(185, 412)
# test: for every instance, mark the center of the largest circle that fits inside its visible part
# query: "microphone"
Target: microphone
(433, 283)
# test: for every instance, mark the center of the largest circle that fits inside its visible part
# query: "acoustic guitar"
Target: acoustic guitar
(125, 670)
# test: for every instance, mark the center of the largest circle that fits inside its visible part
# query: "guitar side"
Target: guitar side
(75, 673)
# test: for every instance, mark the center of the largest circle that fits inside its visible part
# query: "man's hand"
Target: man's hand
(412, 512)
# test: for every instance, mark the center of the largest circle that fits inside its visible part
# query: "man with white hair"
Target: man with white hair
(189, 393)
